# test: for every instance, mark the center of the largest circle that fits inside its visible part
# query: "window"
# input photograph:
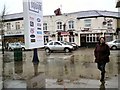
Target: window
(51, 43)
(17, 24)
(57, 43)
(71, 24)
(87, 22)
(8, 26)
(59, 25)
(46, 39)
(60, 38)
(117, 41)
(109, 25)
(71, 39)
(44, 26)
(91, 38)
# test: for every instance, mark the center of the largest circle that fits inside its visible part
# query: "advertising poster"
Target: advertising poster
(33, 23)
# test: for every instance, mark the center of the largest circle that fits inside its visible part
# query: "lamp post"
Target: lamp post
(2, 37)
(2, 27)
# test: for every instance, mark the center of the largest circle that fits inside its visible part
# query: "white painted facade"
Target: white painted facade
(81, 25)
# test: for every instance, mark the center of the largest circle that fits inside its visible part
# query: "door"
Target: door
(57, 46)
(83, 40)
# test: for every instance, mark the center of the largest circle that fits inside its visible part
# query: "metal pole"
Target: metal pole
(2, 31)
(35, 56)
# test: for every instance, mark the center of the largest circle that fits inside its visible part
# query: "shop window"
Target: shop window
(46, 39)
(60, 38)
(71, 39)
(91, 38)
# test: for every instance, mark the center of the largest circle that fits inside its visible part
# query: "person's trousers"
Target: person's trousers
(101, 67)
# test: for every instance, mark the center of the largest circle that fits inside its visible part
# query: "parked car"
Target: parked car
(12, 46)
(57, 46)
(23, 46)
(75, 46)
(115, 44)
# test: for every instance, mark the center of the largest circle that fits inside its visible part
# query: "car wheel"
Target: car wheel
(114, 47)
(67, 50)
(23, 49)
(47, 50)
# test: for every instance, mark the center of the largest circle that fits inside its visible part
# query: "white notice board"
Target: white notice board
(33, 23)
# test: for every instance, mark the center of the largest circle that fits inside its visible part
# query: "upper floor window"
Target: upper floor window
(59, 25)
(8, 26)
(109, 25)
(17, 25)
(87, 22)
(44, 26)
(71, 24)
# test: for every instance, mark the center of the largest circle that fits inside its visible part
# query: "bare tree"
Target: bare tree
(3, 12)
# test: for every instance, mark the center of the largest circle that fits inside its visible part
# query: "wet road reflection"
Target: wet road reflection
(71, 66)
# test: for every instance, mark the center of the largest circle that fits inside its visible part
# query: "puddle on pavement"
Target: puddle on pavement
(69, 66)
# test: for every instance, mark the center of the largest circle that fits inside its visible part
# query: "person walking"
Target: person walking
(101, 54)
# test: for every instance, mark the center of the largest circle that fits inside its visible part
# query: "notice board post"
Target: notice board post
(33, 26)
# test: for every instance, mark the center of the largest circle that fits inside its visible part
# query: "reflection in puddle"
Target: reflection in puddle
(60, 66)
(18, 67)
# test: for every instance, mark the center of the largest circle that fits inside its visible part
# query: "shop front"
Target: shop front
(91, 39)
(66, 36)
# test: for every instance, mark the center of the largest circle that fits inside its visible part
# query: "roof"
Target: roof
(80, 14)
(15, 16)
(97, 13)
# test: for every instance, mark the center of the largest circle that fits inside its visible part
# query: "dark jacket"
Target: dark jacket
(102, 53)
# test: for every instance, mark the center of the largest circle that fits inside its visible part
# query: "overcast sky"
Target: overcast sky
(67, 6)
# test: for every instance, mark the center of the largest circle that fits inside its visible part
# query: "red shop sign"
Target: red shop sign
(65, 33)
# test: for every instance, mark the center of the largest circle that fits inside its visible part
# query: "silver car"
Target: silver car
(12, 46)
(115, 44)
(57, 46)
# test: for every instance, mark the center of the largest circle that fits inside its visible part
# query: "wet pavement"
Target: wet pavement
(57, 70)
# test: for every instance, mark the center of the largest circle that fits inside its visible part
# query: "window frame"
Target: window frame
(59, 25)
(71, 24)
(87, 22)
(45, 26)
(8, 25)
(17, 25)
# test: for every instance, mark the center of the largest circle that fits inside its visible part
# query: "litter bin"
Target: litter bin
(18, 54)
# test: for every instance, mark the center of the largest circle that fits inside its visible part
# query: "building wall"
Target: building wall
(79, 25)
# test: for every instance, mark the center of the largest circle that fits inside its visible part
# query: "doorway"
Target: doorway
(83, 40)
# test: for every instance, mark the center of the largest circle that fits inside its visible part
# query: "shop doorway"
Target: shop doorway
(83, 40)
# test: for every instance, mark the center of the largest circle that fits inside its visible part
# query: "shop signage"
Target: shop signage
(14, 32)
(65, 33)
(33, 19)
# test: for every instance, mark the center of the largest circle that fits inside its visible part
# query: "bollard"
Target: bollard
(18, 54)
